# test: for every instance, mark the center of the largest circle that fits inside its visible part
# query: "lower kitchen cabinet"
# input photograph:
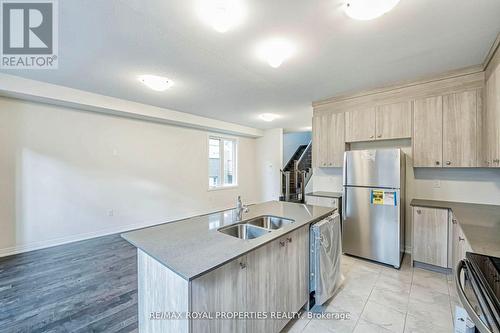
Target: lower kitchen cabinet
(438, 238)
(430, 236)
(222, 290)
(460, 245)
(271, 279)
(277, 280)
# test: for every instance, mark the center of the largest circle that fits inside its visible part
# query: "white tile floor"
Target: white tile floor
(383, 299)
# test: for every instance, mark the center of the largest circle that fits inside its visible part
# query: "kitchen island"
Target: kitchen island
(191, 274)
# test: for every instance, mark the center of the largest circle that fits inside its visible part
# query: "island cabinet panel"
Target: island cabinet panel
(223, 290)
(360, 125)
(460, 129)
(277, 280)
(297, 269)
(430, 236)
(393, 121)
(428, 132)
(155, 295)
(264, 280)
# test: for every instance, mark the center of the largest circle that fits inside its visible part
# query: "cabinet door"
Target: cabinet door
(460, 129)
(224, 289)
(360, 125)
(296, 262)
(393, 121)
(264, 280)
(491, 120)
(316, 141)
(336, 140)
(321, 127)
(428, 132)
(430, 236)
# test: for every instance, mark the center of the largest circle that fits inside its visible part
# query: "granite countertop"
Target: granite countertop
(335, 195)
(480, 223)
(193, 247)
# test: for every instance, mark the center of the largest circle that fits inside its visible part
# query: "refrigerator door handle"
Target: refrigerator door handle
(344, 197)
(344, 205)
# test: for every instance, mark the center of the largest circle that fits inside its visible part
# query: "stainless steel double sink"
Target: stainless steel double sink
(255, 227)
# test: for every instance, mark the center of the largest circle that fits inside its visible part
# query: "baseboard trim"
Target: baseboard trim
(70, 239)
(8, 251)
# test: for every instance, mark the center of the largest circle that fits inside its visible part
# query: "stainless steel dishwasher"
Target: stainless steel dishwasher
(324, 260)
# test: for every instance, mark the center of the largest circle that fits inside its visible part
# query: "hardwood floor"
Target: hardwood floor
(88, 286)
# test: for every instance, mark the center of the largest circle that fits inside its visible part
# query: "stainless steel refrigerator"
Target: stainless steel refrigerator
(373, 205)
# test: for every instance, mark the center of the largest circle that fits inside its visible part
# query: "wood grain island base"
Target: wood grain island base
(270, 280)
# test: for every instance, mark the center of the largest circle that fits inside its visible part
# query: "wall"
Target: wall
(292, 141)
(465, 185)
(67, 174)
(269, 154)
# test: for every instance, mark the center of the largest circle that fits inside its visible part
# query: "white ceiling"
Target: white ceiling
(104, 45)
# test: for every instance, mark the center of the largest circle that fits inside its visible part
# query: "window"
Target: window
(221, 162)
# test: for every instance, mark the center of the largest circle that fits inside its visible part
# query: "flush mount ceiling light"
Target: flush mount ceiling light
(222, 15)
(157, 83)
(368, 9)
(275, 51)
(268, 116)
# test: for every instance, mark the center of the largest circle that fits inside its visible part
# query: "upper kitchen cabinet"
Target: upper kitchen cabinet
(328, 140)
(360, 125)
(393, 121)
(428, 132)
(337, 140)
(491, 118)
(446, 130)
(460, 129)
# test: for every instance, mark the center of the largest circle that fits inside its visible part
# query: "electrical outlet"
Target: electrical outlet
(111, 212)
(436, 183)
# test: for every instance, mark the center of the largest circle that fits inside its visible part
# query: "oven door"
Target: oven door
(474, 298)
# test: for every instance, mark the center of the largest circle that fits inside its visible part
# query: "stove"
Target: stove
(478, 287)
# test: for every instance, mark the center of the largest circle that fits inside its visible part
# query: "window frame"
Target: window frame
(223, 138)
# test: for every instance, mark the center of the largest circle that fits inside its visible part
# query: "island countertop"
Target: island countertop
(193, 246)
(480, 223)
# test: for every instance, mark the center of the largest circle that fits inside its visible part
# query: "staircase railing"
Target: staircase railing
(301, 161)
(300, 171)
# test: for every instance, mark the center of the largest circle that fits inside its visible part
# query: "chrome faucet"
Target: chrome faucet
(240, 207)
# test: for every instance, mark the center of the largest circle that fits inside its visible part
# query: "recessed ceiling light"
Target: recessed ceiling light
(369, 9)
(155, 82)
(275, 51)
(222, 15)
(268, 116)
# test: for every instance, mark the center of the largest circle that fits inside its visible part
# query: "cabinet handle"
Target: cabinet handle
(419, 211)
(289, 239)
(379, 136)
(454, 221)
(282, 243)
(371, 136)
(243, 265)
(437, 163)
(448, 162)
(460, 239)
(330, 163)
(496, 161)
